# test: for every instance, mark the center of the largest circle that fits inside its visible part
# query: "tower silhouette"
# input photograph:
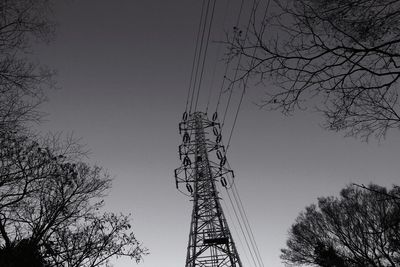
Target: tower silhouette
(203, 169)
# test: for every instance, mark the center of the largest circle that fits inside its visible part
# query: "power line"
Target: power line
(235, 190)
(241, 228)
(233, 82)
(244, 219)
(253, 15)
(199, 54)
(227, 64)
(247, 224)
(226, 208)
(194, 56)
(227, 7)
(205, 53)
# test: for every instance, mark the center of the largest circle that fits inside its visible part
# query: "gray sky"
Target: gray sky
(123, 72)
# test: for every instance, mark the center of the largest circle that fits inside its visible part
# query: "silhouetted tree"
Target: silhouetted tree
(50, 200)
(342, 54)
(22, 80)
(360, 228)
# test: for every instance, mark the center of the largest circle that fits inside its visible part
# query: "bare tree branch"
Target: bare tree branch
(341, 56)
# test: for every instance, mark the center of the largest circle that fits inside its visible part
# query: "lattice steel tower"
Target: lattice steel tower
(210, 241)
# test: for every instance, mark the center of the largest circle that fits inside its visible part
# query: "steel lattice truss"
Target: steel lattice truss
(210, 241)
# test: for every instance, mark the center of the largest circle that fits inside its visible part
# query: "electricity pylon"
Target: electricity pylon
(210, 241)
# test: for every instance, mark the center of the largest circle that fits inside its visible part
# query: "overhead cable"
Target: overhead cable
(241, 228)
(194, 56)
(227, 64)
(255, 5)
(235, 190)
(218, 54)
(200, 55)
(205, 54)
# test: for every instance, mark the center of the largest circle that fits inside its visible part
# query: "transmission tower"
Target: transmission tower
(210, 241)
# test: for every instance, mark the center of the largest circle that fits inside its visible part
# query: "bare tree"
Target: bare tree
(50, 199)
(22, 81)
(341, 55)
(93, 242)
(360, 228)
(49, 203)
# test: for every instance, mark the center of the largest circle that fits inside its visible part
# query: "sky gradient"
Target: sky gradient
(123, 71)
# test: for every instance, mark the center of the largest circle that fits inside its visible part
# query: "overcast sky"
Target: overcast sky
(123, 73)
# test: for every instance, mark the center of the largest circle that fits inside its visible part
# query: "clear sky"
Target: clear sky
(123, 72)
